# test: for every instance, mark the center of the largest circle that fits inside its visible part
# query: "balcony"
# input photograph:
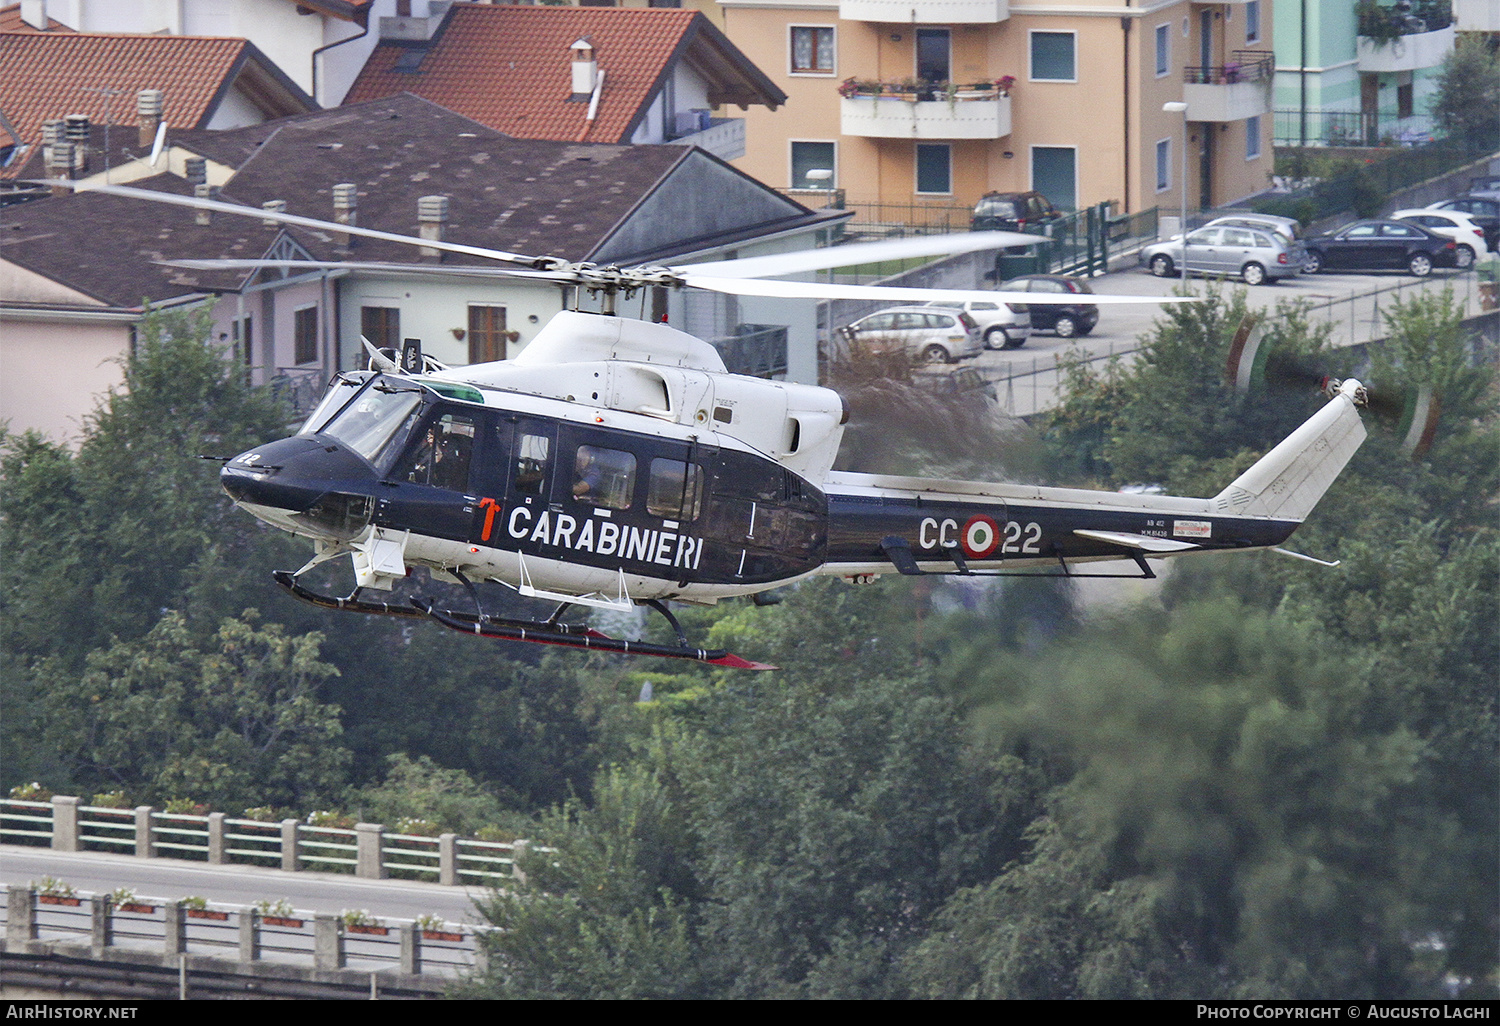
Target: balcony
(1234, 91)
(926, 12)
(1392, 41)
(1477, 15)
(883, 110)
(723, 137)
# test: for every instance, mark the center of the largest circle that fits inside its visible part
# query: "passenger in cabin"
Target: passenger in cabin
(587, 474)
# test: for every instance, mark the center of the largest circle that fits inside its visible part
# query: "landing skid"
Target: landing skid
(543, 632)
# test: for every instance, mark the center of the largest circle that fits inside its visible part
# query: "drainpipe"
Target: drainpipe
(588, 120)
(1125, 101)
(329, 46)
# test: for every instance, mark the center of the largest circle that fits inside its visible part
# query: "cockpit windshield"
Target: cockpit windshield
(339, 392)
(378, 420)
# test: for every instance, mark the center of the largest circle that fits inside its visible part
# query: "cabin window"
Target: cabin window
(604, 477)
(531, 464)
(441, 456)
(673, 492)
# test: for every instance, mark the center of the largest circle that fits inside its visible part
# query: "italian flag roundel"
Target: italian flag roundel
(980, 536)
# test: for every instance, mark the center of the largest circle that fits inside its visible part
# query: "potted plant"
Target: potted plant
(357, 920)
(278, 913)
(52, 891)
(123, 899)
(434, 928)
(196, 907)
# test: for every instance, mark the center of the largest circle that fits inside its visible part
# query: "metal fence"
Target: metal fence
(758, 350)
(1350, 128)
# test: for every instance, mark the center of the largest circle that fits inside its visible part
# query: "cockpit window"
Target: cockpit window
(375, 418)
(340, 392)
(673, 492)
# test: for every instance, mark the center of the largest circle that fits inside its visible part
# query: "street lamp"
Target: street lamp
(1179, 107)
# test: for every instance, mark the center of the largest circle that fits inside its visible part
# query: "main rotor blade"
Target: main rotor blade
(151, 196)
(828, 290)
(462, 270)
(859, 253)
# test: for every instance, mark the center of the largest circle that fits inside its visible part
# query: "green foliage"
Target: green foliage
(416, 790)
(1468, 93)
(230, 718)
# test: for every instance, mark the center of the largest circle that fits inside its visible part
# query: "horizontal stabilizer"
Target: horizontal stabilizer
(1144, 542)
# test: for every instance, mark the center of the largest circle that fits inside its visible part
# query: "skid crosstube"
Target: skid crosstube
(542, 632)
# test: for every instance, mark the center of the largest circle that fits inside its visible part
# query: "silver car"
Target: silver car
(1001, 325)
(926, 334)
(1257, 256)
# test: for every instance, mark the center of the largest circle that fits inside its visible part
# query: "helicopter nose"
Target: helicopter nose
(282, 482)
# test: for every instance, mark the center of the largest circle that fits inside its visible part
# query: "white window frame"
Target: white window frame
(1164, 167)
(1164, 49)
(1252, 23)
(791, 163)
(1031, 167)
(1031, 72)
(916, 169)
(791, 35)
(1252, 138)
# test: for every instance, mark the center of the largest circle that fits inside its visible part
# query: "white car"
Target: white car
(1456, 225)
(931, 336)
(1001, 325)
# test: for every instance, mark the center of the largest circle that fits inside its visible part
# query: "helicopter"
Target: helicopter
(615, 463)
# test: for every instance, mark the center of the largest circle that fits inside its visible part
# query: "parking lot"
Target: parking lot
(1026, 379)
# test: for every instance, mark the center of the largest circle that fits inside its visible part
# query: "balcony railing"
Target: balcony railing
(1243, 66)
(1379, 22)
(926, 12)
(925, 110)
(757, 350)
(1392, 41)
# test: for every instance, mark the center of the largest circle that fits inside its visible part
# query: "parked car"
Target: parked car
(1001, 325)
(1067, 321)
(1380, 246)
(1456, 225)
(1485, 187)
(932, 336)
(963, 382)
(1287, 226)
(1258, 256)
(1013, 212)
(1484, 211)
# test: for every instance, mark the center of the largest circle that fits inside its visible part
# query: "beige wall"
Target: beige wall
(1112, 114)
(54, 373)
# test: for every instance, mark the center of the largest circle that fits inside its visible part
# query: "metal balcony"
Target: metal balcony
(926, 12)
(1230, 92)
(927, 114)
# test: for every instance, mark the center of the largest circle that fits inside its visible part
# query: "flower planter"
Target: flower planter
(131, 906)
(207, 913)
(58, 899)
(442, 935)
(374, 931)
(294, 924)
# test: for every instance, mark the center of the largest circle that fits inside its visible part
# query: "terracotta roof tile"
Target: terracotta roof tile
(509, 66)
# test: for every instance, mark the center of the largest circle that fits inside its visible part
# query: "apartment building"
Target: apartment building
(945, 100)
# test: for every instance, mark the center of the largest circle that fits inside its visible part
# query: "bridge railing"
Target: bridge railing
(246, 934)
(367, 849)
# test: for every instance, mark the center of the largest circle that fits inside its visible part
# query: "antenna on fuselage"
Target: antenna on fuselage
(411, 355)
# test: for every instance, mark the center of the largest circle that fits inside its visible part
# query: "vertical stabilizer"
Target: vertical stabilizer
(1287, 482)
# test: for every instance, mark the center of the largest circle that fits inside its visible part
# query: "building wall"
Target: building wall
(1110, 114)
(53, 373)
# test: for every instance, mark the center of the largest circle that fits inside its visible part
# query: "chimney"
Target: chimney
(195, 169)
(209, 192)
(59, 158)
(279, 206)
(148, 107)
(345, 209)
(76, 129)
(432, 215)
(585, 70)
(34, 13)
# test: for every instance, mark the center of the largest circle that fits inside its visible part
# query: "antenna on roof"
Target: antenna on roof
(161, 138)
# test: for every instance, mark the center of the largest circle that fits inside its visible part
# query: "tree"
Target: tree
(1468, 94)
(232, 719)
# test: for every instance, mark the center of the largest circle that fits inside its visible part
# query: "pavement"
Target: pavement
(1026, 379)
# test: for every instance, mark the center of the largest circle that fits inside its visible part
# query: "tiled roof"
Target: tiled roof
(10, 21)
(45, 76)
(509, 67)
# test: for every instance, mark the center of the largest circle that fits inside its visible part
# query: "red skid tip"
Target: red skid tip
(734, 662)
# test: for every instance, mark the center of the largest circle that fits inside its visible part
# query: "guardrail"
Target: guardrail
(366, 850)
(131, 928)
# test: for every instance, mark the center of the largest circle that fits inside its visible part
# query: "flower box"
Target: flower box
(442, 935)
(58, 899)
(207, 913)
(133, 906)
(374, 931)
(295, 924)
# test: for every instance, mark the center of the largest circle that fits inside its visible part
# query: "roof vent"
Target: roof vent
(59, 161)
(345, 209)
(205, 192)
(148, 108)
(432, 215)
(76, 129)
(276, 206)
(585, 69)
(195, 169)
